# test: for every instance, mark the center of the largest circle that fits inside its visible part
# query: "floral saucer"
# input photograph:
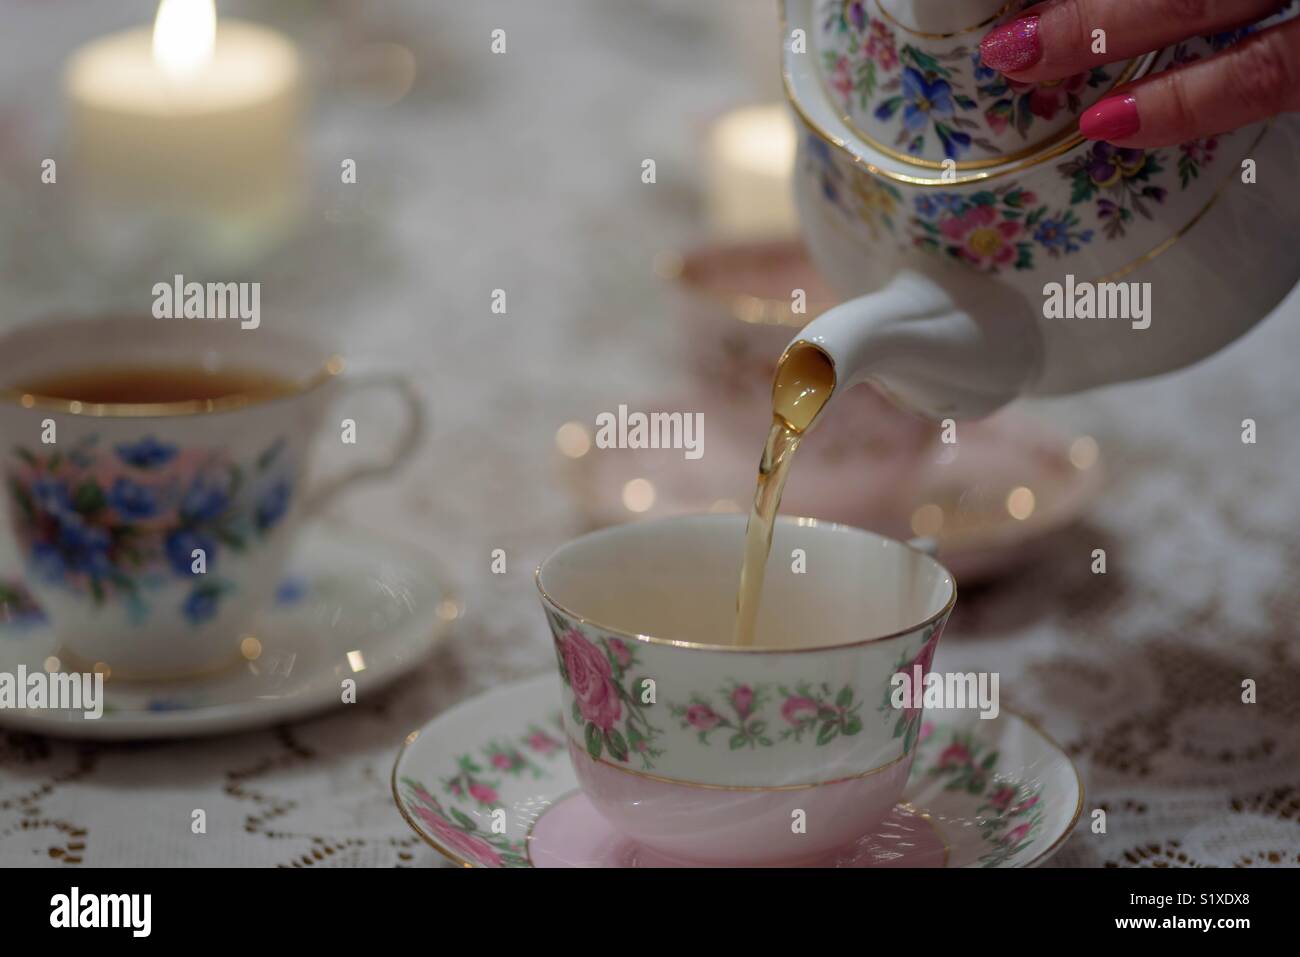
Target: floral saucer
(995, 793)
(353, 605)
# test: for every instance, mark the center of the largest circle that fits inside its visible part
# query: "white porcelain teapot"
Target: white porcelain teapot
(993, 251)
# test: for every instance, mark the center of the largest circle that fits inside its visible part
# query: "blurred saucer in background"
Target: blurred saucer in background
(857, 463)
(355, 606)
(737, 309)
(1007, 482)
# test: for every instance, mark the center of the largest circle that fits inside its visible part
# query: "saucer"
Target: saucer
(982, 793)
(353, 605)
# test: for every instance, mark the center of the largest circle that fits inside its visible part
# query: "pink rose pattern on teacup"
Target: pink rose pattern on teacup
(607, 703)
(907, 724)
(812, 710)
(798, 710)
(591, 678)
(113, 523)
(943, 100)
(742, 714)
(471, 791)
(1010, 814)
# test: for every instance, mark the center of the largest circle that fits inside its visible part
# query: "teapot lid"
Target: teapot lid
(906, 78)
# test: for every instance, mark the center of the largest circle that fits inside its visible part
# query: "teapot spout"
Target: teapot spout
(925, 352)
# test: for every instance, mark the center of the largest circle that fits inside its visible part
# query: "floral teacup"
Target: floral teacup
(777, 753)
(153, 533)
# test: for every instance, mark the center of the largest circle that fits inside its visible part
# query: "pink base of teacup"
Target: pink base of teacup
(571, 833)
(748, 827)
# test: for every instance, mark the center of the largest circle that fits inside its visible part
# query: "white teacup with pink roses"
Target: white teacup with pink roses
(780, 753)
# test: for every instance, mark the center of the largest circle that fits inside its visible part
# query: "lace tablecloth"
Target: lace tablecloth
(522, 172)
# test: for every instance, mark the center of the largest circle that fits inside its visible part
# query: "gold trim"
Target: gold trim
(701, 646)
(1187, 226)
(845, 229)
(226, 403)
(1070, 132)
(1006, 7)
(736, 787)
(411, 822)
(1078, 780)
(934, 826)
(938, 832)
(1041, 155)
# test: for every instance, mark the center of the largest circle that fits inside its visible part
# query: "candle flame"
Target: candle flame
(184, 33)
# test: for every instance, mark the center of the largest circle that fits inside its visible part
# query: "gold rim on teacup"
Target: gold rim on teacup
(136, 410)
(801, 522)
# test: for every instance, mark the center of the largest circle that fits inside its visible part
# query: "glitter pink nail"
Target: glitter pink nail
(1013, 46)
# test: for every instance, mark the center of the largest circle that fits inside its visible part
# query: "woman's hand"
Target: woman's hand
(1255, 79)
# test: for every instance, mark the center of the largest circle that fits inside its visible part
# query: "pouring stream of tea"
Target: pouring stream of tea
(804, 381)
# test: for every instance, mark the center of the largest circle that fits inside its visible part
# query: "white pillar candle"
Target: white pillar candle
(195, 113)
(749, 162)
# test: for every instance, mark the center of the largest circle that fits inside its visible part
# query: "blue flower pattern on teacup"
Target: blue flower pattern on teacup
(114, 524)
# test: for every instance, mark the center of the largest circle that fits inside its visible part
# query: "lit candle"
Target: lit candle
(194, 113)
(750, 159)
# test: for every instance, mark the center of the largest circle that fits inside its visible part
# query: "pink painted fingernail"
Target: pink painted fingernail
(1013, 46)
(1114, 118)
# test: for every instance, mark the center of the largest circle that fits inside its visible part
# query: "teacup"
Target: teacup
(153, 533)
(778, 753)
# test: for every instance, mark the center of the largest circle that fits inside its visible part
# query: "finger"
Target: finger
(1256, 79)
(1060, 39)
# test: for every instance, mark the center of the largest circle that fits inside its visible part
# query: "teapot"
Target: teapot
(992, 251)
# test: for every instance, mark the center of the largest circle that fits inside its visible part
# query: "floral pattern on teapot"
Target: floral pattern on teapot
(1008, 226)
(934, 99)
